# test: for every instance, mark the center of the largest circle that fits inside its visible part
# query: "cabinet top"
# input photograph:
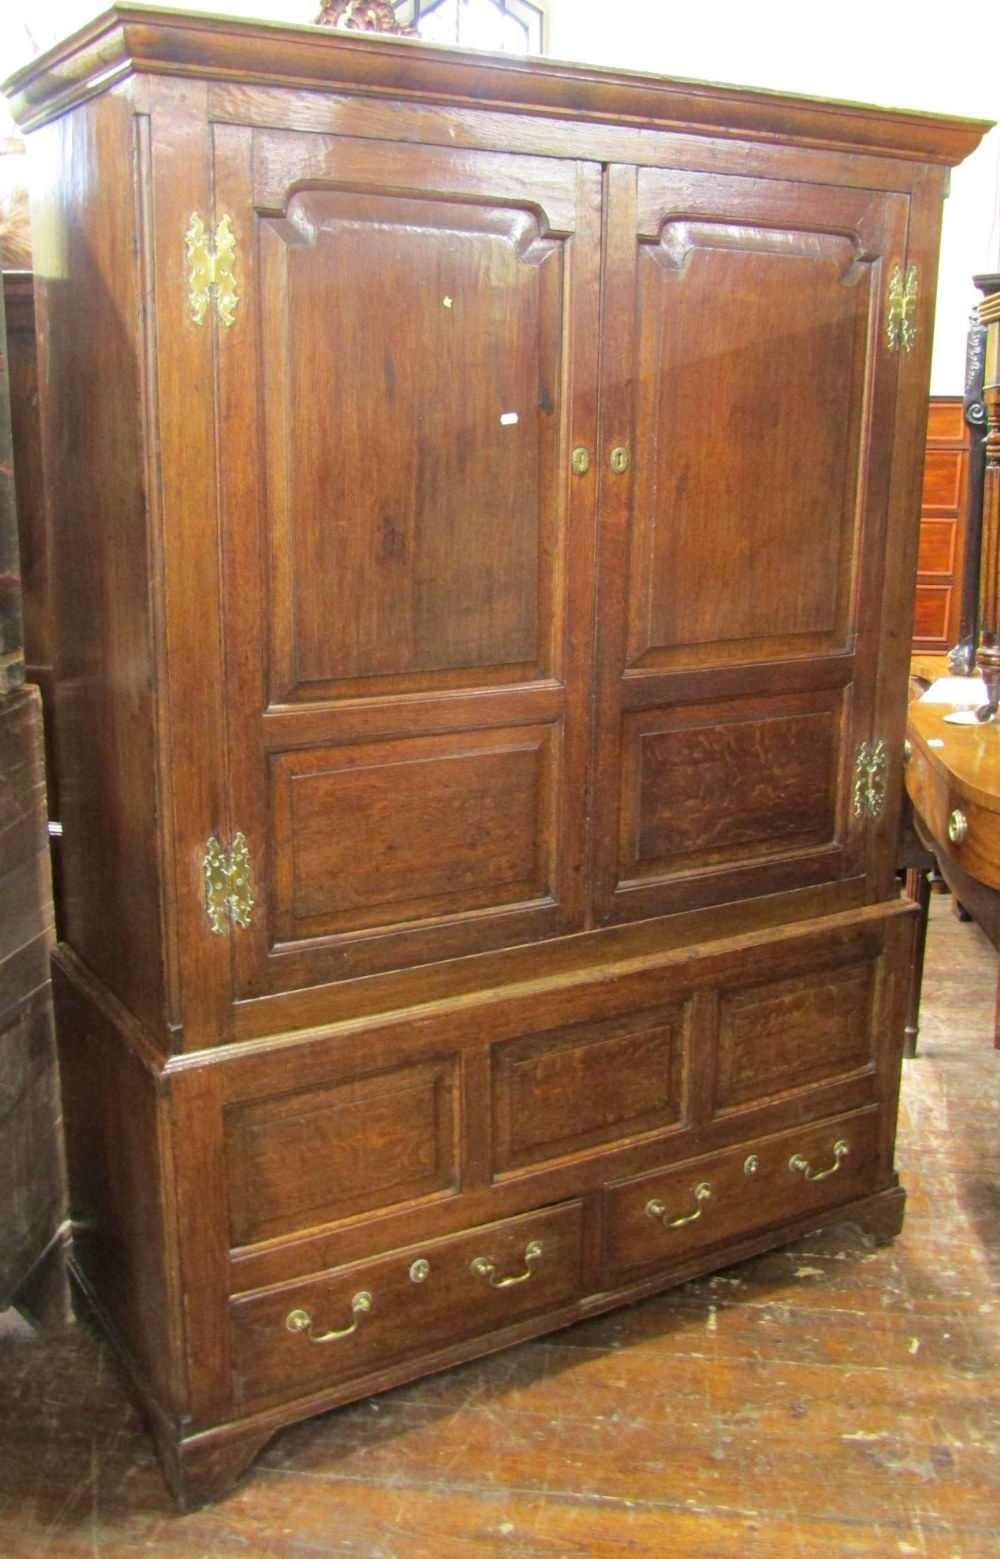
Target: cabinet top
(134, 39)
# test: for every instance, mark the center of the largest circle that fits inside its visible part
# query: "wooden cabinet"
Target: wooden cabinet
(942, 527)
(485, 501)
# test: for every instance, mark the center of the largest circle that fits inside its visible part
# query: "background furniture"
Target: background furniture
(953, 770)
(484, 501)
(938, 607)
(953, 781)
(33, 1223)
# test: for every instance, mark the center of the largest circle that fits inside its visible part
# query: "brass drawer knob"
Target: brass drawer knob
(485, 1267)
(799, 1165)
(958, 827)
(656, 1209)
(302, 1321)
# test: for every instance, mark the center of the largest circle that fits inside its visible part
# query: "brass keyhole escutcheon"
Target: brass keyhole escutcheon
(619, 460)
(580, 460)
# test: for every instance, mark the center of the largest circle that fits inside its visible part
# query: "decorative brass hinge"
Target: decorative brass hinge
(210, 269)
(227, 884)
(900, 328)
(870, 770)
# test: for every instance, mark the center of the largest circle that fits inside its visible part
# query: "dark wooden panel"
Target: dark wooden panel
(572, 1088)
(408, 508)
(33, 543)
(121, 1184)
(85, 242)
(744, 544)
(728, 782)
(307, 1158)
(535, 1263)
(793, 1034)
(410, 830)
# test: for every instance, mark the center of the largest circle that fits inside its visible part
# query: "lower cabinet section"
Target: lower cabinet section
(298, 1221)
(301, 1336)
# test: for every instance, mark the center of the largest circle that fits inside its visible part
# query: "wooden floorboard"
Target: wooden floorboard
(831, 1399)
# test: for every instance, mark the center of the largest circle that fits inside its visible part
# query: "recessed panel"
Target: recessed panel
(749, 410)
(312, 1157)
(570, 1089)
(409, 831)
(793, 1034)
(413, 375)
(931, 612)
(937, 547)
(942, 479)
(728, 783)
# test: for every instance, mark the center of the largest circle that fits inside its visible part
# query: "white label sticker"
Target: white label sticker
(508, 419)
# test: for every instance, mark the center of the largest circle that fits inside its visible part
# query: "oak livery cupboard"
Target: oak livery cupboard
(484, 504)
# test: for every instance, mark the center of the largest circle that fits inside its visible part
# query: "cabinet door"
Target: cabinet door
(745, 373)
(407, 554)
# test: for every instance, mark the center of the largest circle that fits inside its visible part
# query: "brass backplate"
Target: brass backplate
(900, 326)
(211, 269)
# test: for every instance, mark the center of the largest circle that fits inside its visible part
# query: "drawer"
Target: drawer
(304, 1336)
(963, 830)
(655, 1218)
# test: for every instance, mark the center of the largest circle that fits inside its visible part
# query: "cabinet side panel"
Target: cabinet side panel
(119, 1187)
(88, 319)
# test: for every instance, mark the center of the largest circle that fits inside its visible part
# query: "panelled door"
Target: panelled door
(408, 558)
(747, 403)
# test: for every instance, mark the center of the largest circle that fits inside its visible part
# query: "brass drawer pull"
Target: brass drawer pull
(799, 1165)
(958, 827)
(484, 1267)
(302, 1321)
(656, 1209)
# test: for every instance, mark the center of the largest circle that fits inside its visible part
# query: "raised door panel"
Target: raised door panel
(408, 554)
(744, 371)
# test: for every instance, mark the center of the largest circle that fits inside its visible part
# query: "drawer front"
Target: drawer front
(964, 831)
(655, 1218)
(338, 1325)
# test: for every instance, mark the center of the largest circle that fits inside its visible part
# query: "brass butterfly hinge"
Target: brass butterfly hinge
(900, 325)
(870, 771)
(210, 269)
(228, 895)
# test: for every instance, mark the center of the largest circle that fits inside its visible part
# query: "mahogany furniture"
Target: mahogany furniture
(953, 781)
(484, 500)
(953, 771)
(988, 648)
(940, 572)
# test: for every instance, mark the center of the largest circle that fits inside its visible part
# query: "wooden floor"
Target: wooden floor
(829, 1399)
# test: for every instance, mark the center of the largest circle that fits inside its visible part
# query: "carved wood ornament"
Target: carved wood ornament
(363, 16)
